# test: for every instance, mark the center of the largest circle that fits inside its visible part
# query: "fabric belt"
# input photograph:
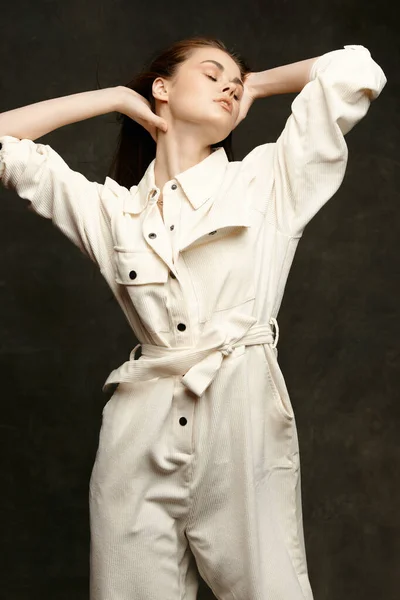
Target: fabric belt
(196, 365)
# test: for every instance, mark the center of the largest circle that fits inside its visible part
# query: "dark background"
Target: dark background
(62, 332)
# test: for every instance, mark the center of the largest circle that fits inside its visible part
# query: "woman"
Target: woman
(198, 457)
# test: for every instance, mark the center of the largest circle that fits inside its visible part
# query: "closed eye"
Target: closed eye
(213, 78)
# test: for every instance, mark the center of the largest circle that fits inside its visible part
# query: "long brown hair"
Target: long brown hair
(135, 146)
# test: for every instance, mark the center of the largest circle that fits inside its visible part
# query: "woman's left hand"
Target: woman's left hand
(246, 100)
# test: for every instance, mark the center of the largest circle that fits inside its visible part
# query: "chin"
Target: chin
(220, 139)
(219, 135)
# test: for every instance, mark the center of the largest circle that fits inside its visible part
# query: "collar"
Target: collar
(198, 183)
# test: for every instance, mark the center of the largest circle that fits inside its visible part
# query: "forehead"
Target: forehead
(209, 53)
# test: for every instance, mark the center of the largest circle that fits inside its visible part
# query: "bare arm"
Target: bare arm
(281, 80)
(35, 120)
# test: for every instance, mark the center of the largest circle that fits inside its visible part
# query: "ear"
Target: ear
(159, 89)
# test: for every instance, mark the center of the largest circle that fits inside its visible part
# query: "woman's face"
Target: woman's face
(192, 94)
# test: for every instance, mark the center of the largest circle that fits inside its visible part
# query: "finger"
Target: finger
(161, 124)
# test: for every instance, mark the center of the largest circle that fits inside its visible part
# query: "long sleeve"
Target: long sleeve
(307, 164)
(81, 209)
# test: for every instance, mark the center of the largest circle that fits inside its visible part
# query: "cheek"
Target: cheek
(196, 101)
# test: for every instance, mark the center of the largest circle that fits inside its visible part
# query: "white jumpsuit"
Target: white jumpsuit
(198, 456)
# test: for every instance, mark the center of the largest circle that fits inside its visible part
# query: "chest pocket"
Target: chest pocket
(221, 272)
(144, 275)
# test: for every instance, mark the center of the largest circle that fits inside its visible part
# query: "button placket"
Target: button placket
(177, 308)
(173, 187)
(174, 213)
(157, 238)
(184, 406)
(152, 235)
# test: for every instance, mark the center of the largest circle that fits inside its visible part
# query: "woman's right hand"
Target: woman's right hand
(136, 107)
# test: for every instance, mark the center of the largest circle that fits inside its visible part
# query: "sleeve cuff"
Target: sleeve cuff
(1, 162)
(323, 61)
(4, 141)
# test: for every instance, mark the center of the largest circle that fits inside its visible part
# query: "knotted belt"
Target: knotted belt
(196, 365)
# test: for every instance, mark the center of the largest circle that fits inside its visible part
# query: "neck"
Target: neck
(176, 154)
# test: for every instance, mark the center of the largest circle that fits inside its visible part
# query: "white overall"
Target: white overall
(198, 456)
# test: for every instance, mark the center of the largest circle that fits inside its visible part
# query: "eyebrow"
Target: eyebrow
(221, 68)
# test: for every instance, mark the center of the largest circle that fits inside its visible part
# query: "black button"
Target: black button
(1, 145)
(133, 274)
(212, 232)
(172, 226)
(181, 326)
(172, 275)
(183, 420)
(152, 235)
(173, 186)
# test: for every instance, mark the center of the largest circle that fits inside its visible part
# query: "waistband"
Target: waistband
(196, 365)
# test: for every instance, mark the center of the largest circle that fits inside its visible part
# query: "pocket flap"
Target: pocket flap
(139, 267)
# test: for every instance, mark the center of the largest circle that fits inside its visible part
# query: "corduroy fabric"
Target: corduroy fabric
(198, 457)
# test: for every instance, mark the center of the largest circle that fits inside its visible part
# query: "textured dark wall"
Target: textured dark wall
(61, 331)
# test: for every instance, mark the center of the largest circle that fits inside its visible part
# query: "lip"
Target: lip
(225, 103)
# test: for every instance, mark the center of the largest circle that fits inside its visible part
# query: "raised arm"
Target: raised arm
(299, 173)
(35, 120)
(286, 79)
(79, 208)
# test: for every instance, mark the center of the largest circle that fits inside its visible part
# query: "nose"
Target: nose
(228, 86)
